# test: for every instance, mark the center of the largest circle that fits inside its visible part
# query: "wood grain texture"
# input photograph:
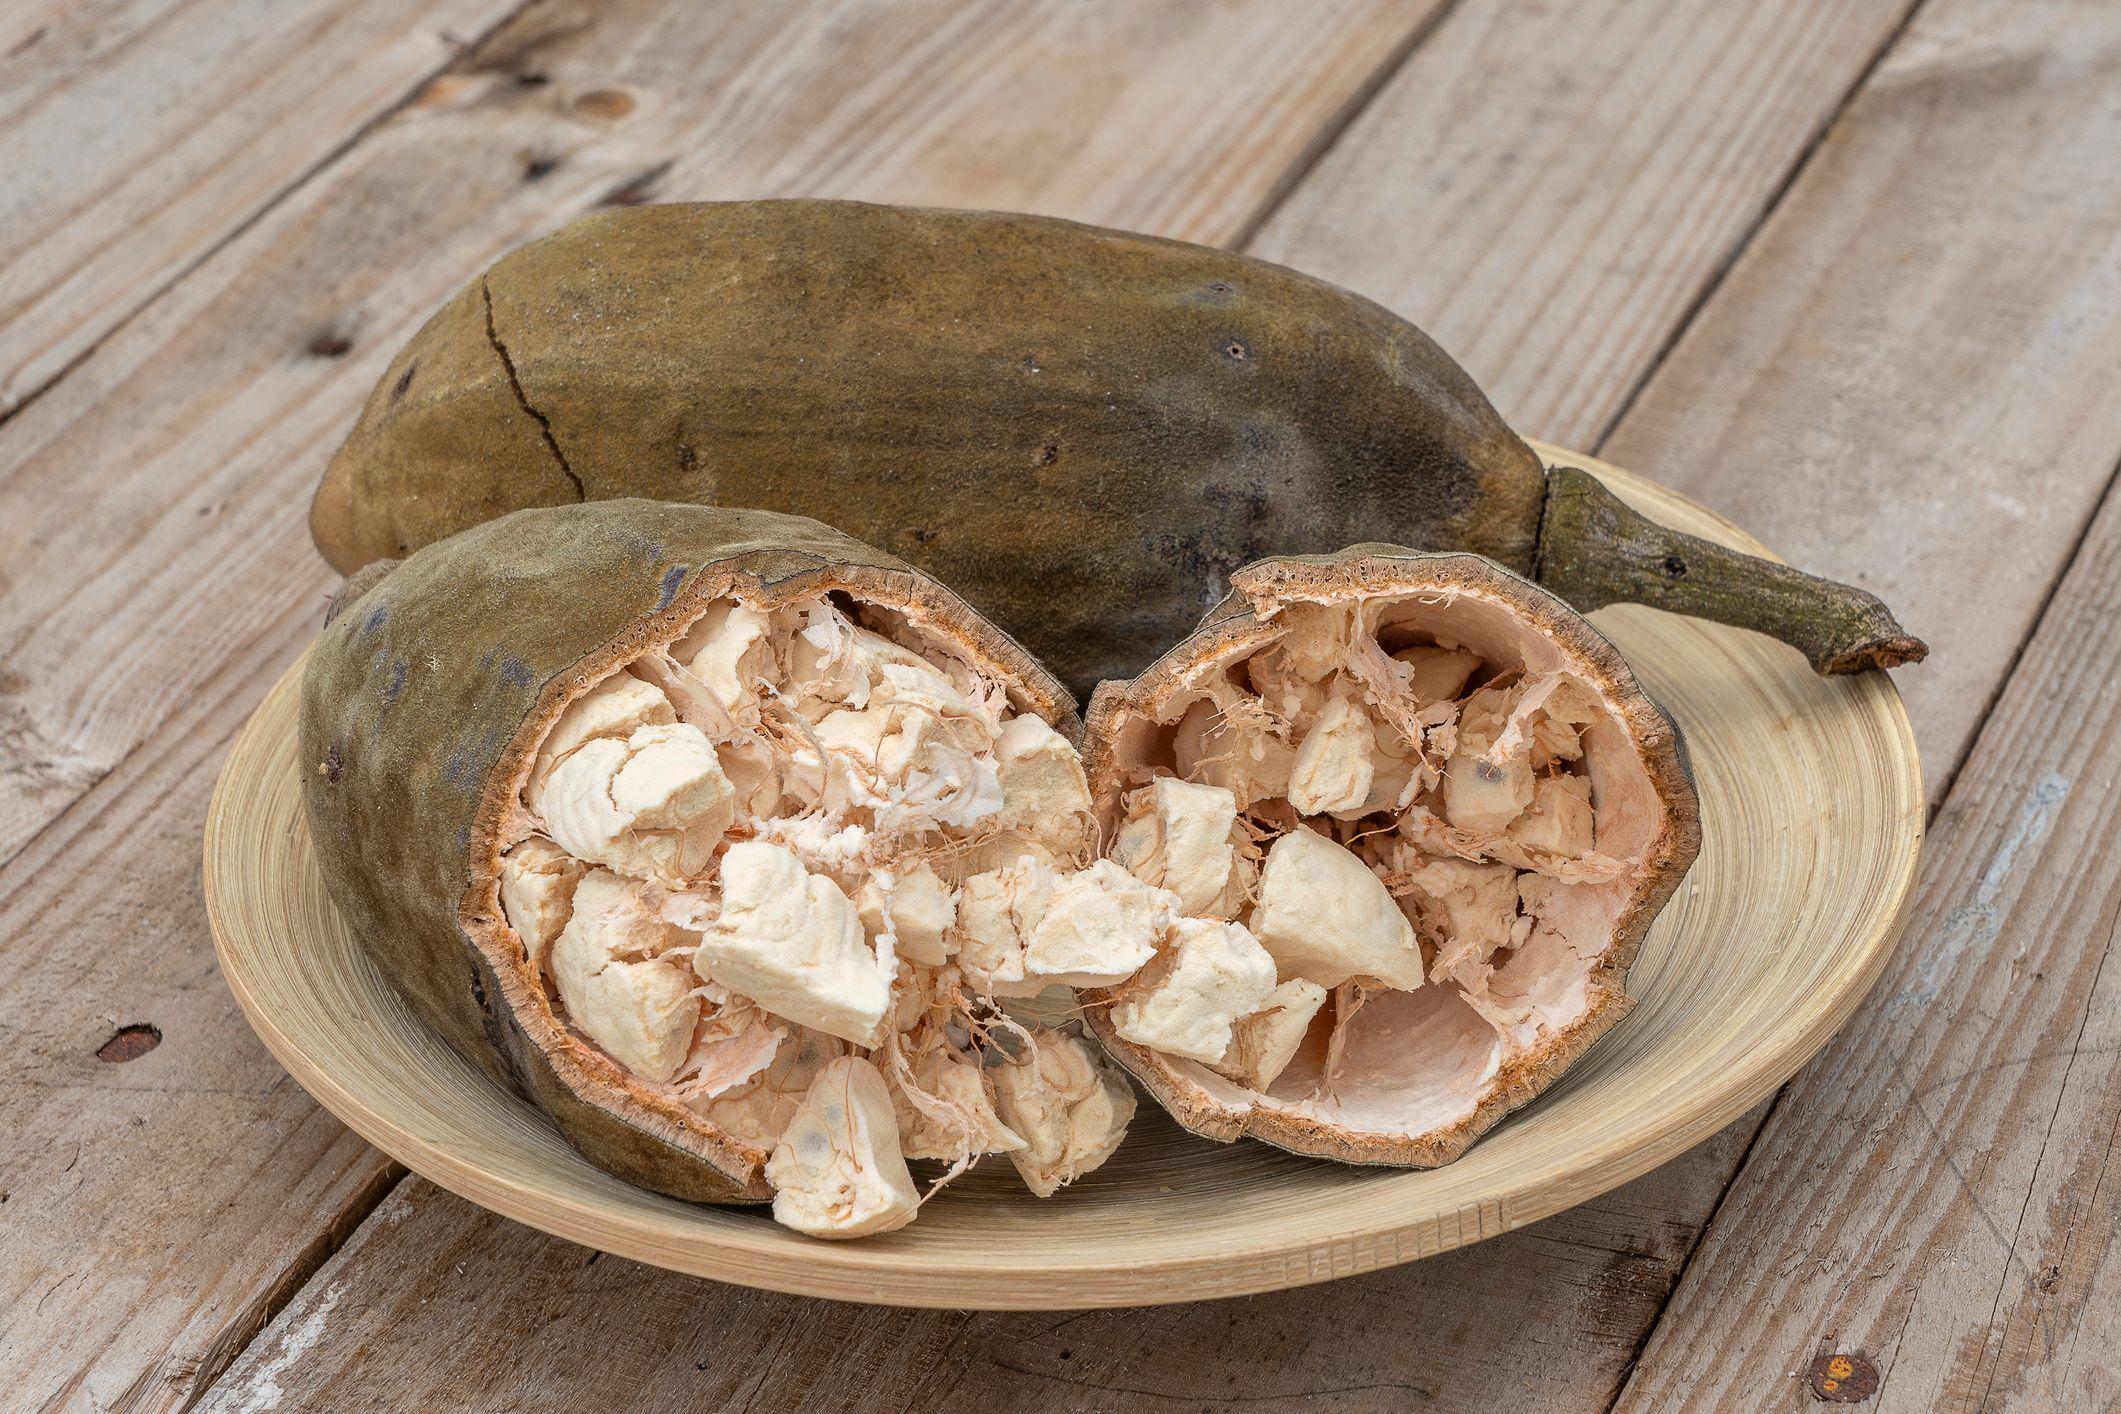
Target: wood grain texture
(142, 133)
(1936, 1194)
(1811, 811)
(1907, 381)
(1548, 188)
(152, 1210)
(151, 516)
(427, 1278)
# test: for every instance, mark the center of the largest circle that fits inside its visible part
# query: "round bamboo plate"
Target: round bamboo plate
(1813, 813)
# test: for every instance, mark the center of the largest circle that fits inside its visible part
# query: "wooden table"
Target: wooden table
(1848, 270)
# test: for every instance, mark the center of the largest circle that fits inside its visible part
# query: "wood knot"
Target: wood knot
(129, 1043)
(1844, 1378)
(606, 105)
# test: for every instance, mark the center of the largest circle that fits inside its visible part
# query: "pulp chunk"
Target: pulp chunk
(613, 708)
(837, 1171)
(900, 760)
(1263, 1043)
(1437, 674)
(1069, 1108)
(793, 943)
(1045, 797)
(1212, 974)
(1559, 819)
(538, 879)
(954, 1115)
(730, 653)
(1333, 767)
(1485, 788)
(1096, 928)
(616, 986)
(1324, 916)
(1243, 758)
(757, 1112)
(995, 915)
(1473, 908)
(1026, 928)
(653, 805)
(916, 907)
(1183, 843)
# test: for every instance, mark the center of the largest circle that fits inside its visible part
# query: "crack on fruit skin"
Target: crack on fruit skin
(515, 385)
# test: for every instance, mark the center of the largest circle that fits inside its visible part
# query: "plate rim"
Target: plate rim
(853, 1271)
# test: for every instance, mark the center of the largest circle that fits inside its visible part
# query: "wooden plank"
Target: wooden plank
(157, 574)
(1941, 1151)
(1934, 1199)
(476, 1310)
(1547, 189)
(158, 1208)
(142, 133)
(1907, 380)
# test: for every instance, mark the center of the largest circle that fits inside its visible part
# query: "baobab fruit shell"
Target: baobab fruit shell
(422, 705)
(1409, 1105)
(1083, 431)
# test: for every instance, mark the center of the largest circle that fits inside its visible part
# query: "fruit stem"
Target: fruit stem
(1595, 550)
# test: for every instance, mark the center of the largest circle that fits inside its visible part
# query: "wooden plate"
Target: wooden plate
(1813, 809)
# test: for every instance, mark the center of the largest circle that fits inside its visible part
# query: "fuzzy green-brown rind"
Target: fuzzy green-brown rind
(1081, 430)
(422, 705)
(1242, 620)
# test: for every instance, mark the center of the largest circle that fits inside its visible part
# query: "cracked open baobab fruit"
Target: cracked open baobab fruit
(1419, 816)
(1081, 430)
(723, 837)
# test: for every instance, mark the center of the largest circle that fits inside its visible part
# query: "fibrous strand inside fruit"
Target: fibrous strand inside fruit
(1418, 813)
(782, 870)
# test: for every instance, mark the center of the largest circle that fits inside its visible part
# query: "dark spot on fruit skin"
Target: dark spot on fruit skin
(399, 389)
(129, 1043)
(688, 459)
(1674, 567)
(1235, 351)
(398, 672)
(333, 765)
(375, 619)
(478, 989)
(537, 169)
(672, 578)
(1220, 287)
(1048, 454)
(330, 343)
(923, 535)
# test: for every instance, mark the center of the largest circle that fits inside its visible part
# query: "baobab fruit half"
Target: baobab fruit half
(1419, 816)
(722, 837)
